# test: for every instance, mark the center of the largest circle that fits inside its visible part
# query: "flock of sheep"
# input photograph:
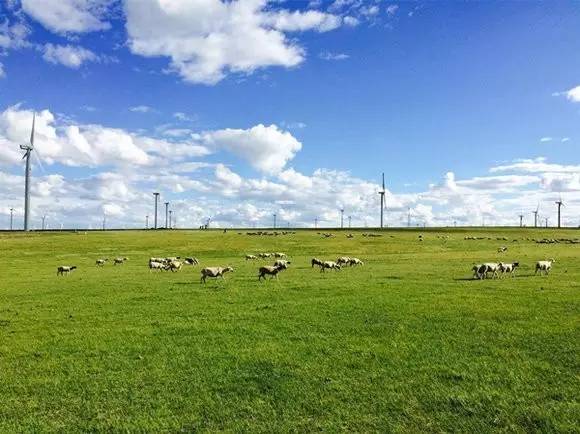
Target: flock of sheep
(500, 269)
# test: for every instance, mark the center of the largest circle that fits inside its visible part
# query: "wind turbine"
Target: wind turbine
(382, 194)
(274, 215)
(156, 202)
(409, 218)
(521, 216)
(559, 203)
(536, 215)
(11, 218)
(341, 218)
(166, 215)
(28, 148)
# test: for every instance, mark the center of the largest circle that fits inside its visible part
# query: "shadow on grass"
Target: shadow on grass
(469, 279)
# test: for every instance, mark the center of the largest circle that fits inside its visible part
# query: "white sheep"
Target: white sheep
(119, 261)
(214, 272)
(544, 266)
(331, 265)
(191, 261)
(271, 270)
(279, 255)
(509, 268)
(175, 266)
(65, 269)
(489, 267)
(251, 257)
(282, 263)
(343, 260)
(101, 262)
(154, 265)
(316, 261)
(355, 261)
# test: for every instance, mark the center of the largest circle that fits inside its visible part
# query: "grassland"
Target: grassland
(408, 343)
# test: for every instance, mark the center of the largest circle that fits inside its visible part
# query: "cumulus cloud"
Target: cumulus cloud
(13, 36)
(266, 148)
(573, 94)
(68, 16)
(68, 55)
(392, 9)
(2, 73)
(206, 40)
(546, 139)
(141, 109)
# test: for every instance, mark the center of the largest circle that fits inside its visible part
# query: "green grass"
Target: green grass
(405, 344)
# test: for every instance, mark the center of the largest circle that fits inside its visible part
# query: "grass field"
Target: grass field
(407, 343)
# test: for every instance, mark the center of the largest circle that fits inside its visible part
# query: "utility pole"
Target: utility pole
(170, 215)
(274, 220)
(341, 218)
(11, 219)
(146, 222)
(156, 201)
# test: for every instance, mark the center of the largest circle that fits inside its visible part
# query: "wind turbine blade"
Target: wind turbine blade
(37, 157)
(32, 132)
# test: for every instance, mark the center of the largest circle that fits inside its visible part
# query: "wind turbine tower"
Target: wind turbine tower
(274, 215)
(409, 218)
(11, 218)
(382, 194)
(156, 201)
(316, 223)
(521, 220)
(28, 152)
(536, 215)
(170, 216)
(166, 215)
(341, 218)
(559, 203)
(349, 221)
(43, 222)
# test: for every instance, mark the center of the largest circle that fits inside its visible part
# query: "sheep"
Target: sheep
(490, 267)
(509, 268)
(119, 261)
(175, 266)
(264, 255)
(355, 261)
(191, 261)
(157, 260)
(282, 263)
(172, 258)
(154, 265)
(316, 261)
(330, 265)
(544, 266)
(478, 271)
(214, 272)
(272, 270)
(279, 255)
(101, 262)
(251, 257)
(65, 269)
(502, 249)
(343, 260)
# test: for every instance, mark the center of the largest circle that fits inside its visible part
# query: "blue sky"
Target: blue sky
(471, 109)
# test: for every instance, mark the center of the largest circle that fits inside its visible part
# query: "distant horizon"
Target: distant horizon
(237, 110)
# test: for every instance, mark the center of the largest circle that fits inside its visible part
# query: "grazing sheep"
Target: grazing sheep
(316, 261)
(355, 262)
(65, 269)
(544, 266)
(508, 268)
(156, 259)
(264, 255)
(280, 255)
(214, 272)
(343, 260)
(478, 271)
(119, 261)
(160, 266)
(490, 267)
(191, 261)
(175, 266)
(502, 249)
(101, 262)
(271, 270)
(282, 263)
(172, 258)
(251, 257)
(330, 265)
(350, 236)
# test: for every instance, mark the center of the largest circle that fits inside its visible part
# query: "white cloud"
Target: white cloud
(573, 94)
(537, 165)
(351, 21)
(2, 73)
(546, 139)
(64, 16)
(207, 39)
(565, 139)
(287, 21)
(266, 148)
(13, 36)
(141, 109)
(392, 9)
(327, 55)
(68, 55)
